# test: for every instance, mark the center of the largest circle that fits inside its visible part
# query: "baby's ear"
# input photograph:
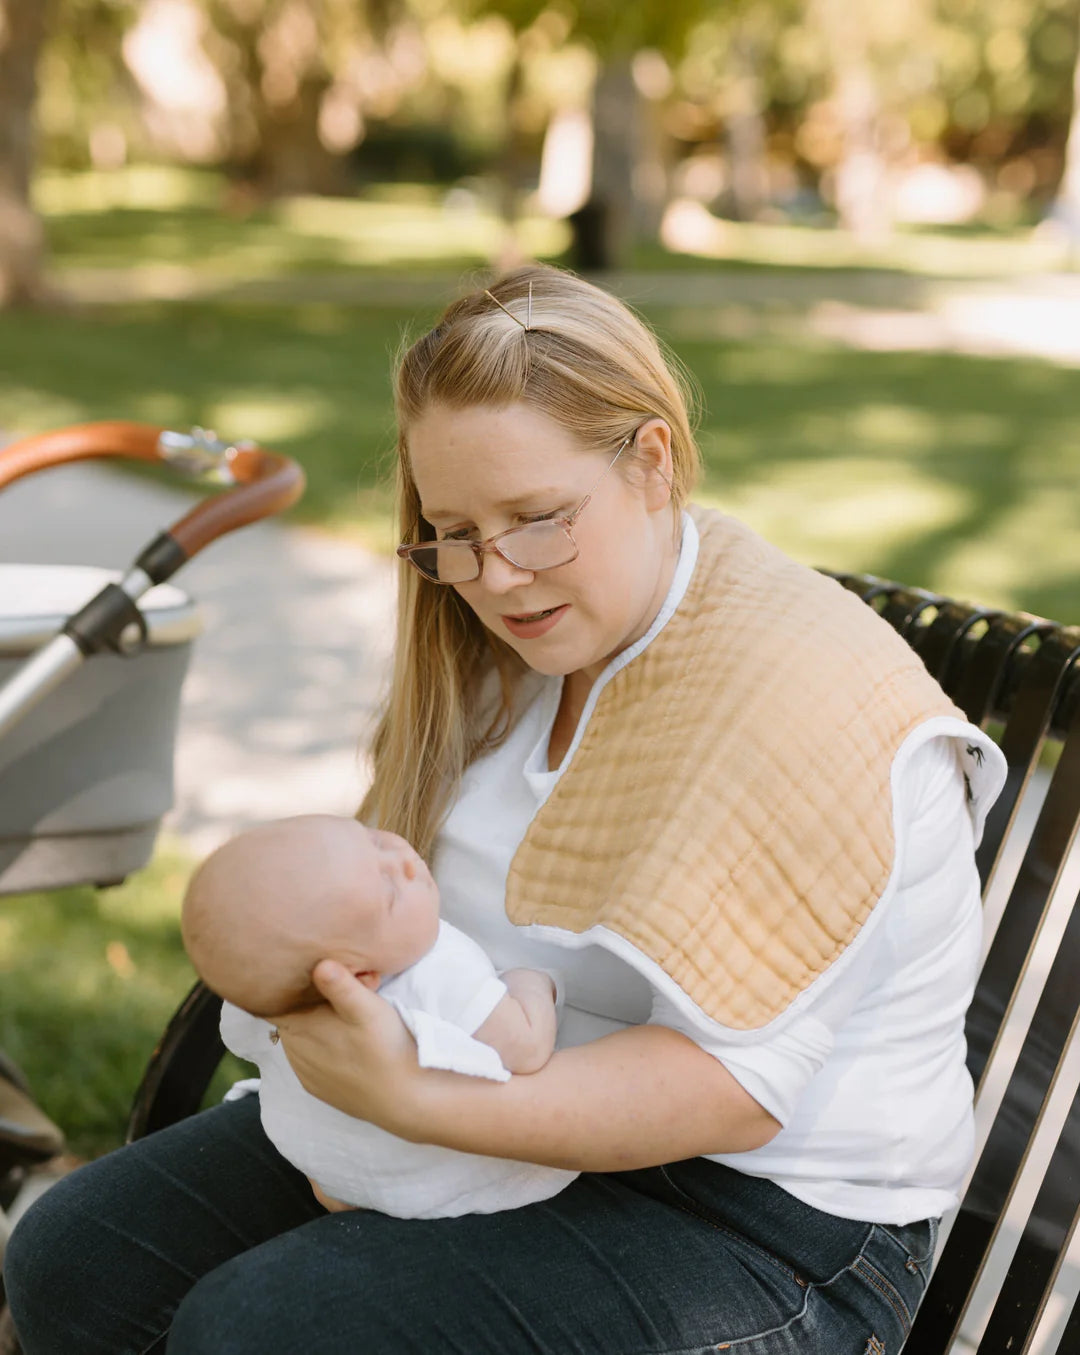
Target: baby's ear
(370, 978)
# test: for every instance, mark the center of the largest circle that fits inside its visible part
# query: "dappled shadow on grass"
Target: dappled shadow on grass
(259, 245)
(949, 471)
(241, 238)
(88, 981)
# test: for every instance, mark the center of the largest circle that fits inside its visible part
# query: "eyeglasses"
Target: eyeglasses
(533, 546)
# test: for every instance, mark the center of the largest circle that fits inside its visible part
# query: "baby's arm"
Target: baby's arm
(521, 1029)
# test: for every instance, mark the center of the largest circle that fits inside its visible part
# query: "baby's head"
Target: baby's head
(267, 906)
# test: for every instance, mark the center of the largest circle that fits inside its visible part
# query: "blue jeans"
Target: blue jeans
(202, 1240)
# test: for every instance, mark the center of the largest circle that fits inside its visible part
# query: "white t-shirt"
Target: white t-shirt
(867, 1075)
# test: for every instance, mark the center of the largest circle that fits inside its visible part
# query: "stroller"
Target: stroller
(86, 762)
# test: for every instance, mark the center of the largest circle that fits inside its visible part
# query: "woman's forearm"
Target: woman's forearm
(640, 1097)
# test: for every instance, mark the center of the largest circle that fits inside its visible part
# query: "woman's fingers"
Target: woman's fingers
(353, 1050)
(348, 996)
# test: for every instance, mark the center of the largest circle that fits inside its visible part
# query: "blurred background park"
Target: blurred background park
(858, 225)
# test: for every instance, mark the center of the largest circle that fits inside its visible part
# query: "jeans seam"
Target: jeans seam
(737, 1341)
(696, 1211)
(907, 1252)
(886, 1288)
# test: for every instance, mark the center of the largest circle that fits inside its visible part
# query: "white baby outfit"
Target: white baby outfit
(443, 999)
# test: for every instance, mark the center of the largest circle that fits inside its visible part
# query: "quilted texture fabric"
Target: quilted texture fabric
(728, 810)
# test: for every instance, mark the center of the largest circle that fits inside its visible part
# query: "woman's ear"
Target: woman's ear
(652, 454)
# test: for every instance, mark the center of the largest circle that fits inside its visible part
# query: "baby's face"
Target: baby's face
(397, 901)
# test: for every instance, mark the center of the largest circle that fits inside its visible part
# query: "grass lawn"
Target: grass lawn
(88, 980)
(943, 470)
(948, 471)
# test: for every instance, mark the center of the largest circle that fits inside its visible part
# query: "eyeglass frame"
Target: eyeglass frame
(490, 545)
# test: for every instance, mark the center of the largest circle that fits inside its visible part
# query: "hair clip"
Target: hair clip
(527, 324)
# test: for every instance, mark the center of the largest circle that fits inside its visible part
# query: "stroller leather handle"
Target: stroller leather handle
(265, 482)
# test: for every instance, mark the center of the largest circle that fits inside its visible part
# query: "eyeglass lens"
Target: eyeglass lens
(537, 545)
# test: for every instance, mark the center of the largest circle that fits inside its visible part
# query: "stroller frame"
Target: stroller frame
(255, 484)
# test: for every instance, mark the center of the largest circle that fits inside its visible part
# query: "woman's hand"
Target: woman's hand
(354, 1051)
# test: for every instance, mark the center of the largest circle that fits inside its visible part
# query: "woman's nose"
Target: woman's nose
(501, 575)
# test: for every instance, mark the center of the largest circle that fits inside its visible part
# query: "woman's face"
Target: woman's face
(480, 471)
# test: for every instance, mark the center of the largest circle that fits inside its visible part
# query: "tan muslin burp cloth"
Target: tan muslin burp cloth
(728, 811)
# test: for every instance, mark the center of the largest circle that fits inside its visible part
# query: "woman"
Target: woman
(711, 792)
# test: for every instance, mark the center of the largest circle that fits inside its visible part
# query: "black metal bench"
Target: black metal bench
(1020, 675)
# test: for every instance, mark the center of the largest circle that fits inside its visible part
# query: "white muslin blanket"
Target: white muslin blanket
(363, 1165)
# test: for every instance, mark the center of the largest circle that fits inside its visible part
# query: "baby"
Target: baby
(266, 907)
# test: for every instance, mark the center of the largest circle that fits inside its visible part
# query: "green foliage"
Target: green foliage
(612, 27)
(1004, 72)
(981, 81)
(82, 78)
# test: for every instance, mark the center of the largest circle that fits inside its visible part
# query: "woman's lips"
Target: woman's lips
(532, 629)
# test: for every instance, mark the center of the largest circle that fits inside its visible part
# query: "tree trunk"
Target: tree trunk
(745, 127)
(861, 177)
(603, 227)
(1067, 205)
(276, 148)
(22, 30)
(291, 157)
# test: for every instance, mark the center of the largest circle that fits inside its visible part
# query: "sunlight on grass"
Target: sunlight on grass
(151, 187)
(1034, 551)
(401, 231)
(953, 450)
(691, 230)
(267, 418)
(170, 229)
(842, 513)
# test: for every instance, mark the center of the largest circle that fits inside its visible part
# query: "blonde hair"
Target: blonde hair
(589, 364)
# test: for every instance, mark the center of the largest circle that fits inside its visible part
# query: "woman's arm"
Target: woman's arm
(640, 1097)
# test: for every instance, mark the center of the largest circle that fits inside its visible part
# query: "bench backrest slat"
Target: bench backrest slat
(1021, 672)
(1025, 912)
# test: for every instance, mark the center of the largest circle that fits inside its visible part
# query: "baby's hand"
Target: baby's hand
(327, 1201)
(522, 1027)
